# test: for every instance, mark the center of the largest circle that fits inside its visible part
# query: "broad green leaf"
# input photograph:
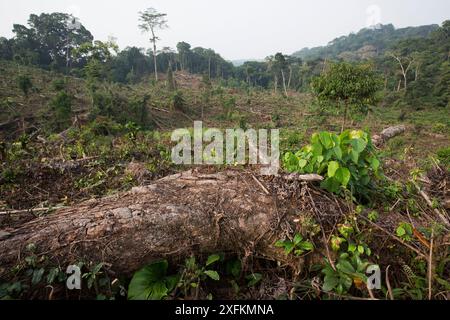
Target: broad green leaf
(149, 282)
(297, 239)
(302, 163)
(345, 266)
(338, 152)
(306, 245)
(354, 156)
(211, 259)
(52, 275)
(346, 281)
(158, 291)
(37, 276)
(343, 176)
(375, 164)
(331, 184)
(333, 166)
(234, 268)
(288, 247)
(336, 243)
(280, 244)
(329, 283)
(359, 145)
(327, 155)
(346, 230)
(317, 149)
(253, 279)
(212, 274)
(309, 168)
(400, 231)
(325, 139)
(97, 268)
(356, 134)
(172, 281)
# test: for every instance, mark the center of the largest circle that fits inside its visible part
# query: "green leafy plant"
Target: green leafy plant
(152, 282)
(193, 274)
(178, 101)
(351, 266)
(404, 231)
(444, 157)
(25, 84)
(347, 160)
(373, 216)
(60, 111)
(59, 84)
(350, 269)
(298, 246)
(253, 279)
(93, 275)
(228, 105)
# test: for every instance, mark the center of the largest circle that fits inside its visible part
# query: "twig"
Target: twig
(3, 213)
(162, 110)
(395, 204)
(388, 284)
(304, 177)
(430, 204)
(370, 293)
(396, 238)
(261, 185)
(430, 266)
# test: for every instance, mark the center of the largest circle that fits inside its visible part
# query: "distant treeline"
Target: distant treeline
(414, 61)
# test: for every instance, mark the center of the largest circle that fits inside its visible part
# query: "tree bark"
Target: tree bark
(284, 83)
(154, 55)
(172, 218)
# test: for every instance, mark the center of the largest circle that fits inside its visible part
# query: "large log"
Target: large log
(172, 218)
(388, 134)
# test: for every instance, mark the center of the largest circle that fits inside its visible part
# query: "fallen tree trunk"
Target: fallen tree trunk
(387, 134)
(174, 217)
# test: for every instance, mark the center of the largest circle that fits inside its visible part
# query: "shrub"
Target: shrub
(25, 84)
(347, 160)
(444, 157)
(346, 86)
(61, 111)
(59, 84)
(178, 101)
(229, 105)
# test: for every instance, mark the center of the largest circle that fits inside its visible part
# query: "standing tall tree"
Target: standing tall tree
(405, 63)
(50, 38)
(345, 85)
(280, 66)
(151, 21)
(184, 52)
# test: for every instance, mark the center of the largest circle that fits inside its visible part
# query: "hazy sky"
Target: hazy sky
(234, 28)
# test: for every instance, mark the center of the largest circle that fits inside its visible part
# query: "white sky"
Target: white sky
(237, 29)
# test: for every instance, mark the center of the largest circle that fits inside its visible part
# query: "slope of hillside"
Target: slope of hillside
(375, 40)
